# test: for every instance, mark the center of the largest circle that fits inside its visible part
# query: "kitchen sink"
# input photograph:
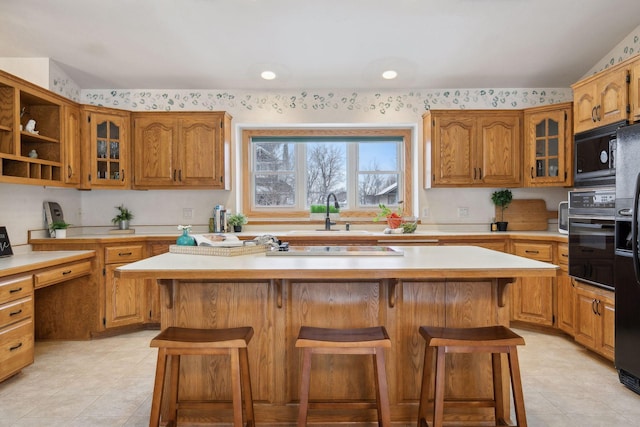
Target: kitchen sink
(338, 251)
(330, 232)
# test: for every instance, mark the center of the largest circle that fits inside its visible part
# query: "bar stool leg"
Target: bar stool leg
(382, 389)
(247, 395)
(438, 404)
(158, 388)
(426, 390)
(516, 386)
(173, 389)
(305, 382)
(498, 391)
(236, 388)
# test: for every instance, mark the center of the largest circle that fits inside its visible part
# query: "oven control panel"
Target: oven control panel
(592, 199)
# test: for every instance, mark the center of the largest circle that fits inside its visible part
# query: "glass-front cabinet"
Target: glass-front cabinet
(108, 139)
(548, 146)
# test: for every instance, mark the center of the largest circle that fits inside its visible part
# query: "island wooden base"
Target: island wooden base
(276, 309)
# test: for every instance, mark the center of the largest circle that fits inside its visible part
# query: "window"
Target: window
(288, 170)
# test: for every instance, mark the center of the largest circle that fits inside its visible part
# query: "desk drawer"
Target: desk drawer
(120, 254)
(15, 311)
(14, 289)
(538, 251)
(16, 347)
(62, 274)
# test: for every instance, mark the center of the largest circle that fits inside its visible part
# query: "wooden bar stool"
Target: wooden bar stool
(175, 342)
(492, 339)
(345, 341)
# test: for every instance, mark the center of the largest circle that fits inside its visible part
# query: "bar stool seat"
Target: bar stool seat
(174, 342)
(492, 339)
(345, 341)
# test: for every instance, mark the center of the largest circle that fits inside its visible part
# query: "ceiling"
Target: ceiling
(313, 44)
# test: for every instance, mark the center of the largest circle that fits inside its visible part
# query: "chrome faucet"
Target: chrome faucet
(327, 220)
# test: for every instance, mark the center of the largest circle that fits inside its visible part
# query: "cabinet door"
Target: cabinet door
(453, 146)
(499, 150)
(634, 90)
(199, 152)
(584, 107)
(586, 325)
(152, 288)
(71, 169)
(612, 97)
(123, 299)
(154, 150)
(533, 300)
(607, 334)
(108, 151)
(548, 148)
(566, 303)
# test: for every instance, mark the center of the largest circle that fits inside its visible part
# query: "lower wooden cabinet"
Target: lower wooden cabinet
(16, 324)
(152, 289)
(595, 319)
(124, 302)
(565, 314)
(532, 297)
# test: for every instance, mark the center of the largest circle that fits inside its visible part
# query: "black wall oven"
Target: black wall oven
(592, 236)
(595, 156)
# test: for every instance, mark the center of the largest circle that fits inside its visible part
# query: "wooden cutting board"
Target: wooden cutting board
(527, 215)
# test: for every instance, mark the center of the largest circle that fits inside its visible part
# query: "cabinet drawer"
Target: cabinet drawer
(120, 254)
(61, 274)
(16, 347)
(539, 251)
(15, 311)
(14, 289)
(563, 256)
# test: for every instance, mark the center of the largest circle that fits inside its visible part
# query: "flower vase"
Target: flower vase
(185, 239)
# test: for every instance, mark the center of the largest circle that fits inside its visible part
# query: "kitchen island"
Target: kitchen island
(459, 286)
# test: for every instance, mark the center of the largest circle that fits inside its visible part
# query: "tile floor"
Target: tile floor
(108, 382)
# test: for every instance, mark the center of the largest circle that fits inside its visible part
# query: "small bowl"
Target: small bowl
(409, 224)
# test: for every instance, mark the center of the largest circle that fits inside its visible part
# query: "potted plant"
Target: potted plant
(319, 212)
(237, 221)
(59, 229)
(502, 199)
(394, 218)
(123, 217)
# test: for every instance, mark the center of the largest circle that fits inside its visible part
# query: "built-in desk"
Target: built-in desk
(455, 286)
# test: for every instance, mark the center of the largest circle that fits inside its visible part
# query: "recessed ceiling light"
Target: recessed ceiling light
(268, 75)
(390, 74)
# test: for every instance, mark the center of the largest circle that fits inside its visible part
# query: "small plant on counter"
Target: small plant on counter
(394, 218)
(237, 221)
(323, 209)
(59, 225)
(123, 217)
(502, 199)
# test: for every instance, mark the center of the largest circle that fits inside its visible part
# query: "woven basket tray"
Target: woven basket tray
(218, 251)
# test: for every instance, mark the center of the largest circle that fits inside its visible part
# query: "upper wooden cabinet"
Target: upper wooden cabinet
(72, 144)
(178, 150)
(474, 147)
(601, 99)
(634, 90)
(30, 155)
(106, 162)
(548, 146)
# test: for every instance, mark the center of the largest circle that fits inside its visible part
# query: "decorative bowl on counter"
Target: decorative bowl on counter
(409, 224)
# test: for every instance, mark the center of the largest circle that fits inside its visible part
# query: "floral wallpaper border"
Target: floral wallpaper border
(374, 102)
(61, 83)
(628, 47)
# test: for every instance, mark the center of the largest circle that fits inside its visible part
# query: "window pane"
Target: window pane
(274, 156)
(376, 188)
(326, 169)
(274, 190)
(378, 156)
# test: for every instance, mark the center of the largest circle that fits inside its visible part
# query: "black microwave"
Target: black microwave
(595, 156)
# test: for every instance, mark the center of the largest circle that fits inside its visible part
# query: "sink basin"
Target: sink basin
(338, 251)
(329, 232)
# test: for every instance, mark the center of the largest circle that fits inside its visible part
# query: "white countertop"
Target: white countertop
(32, 260)
(417, 262)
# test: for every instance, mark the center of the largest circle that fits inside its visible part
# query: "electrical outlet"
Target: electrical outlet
(463, 212)
(187, 213)
(425, 212)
